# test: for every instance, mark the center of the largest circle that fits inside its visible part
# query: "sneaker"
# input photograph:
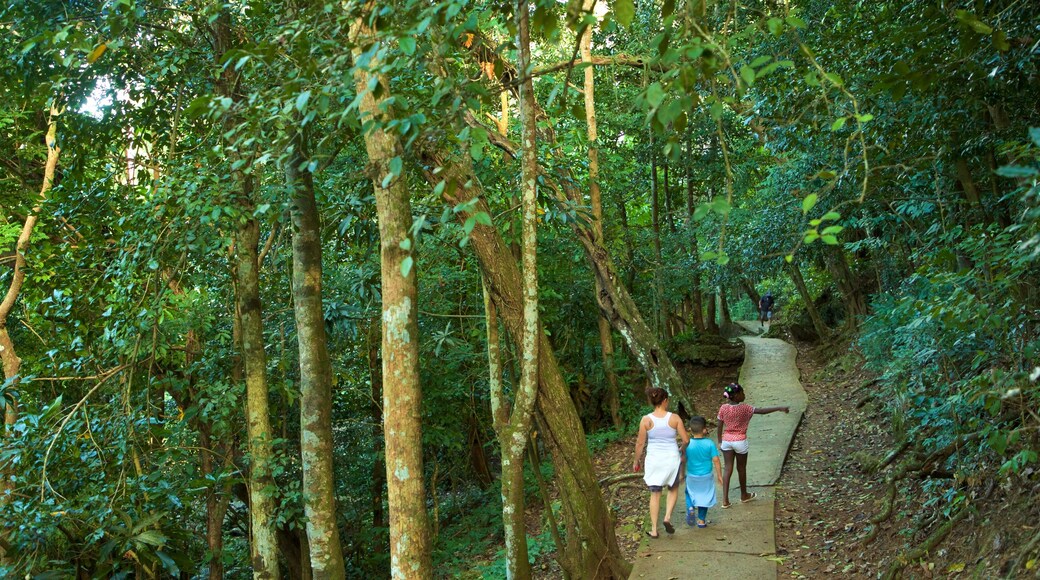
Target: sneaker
(690, 519)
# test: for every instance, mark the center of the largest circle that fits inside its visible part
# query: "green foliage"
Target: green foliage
(801, 132)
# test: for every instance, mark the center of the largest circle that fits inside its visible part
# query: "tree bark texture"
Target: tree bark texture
(591, 549)
(513, 434)
(696, 301)
(660, 316)
(263, 547)
(606, 338)
(316, 442)
(258, 426)
(711, 321)
(817, 321)
(375, 373)
(751, 292)
(410, 550)
(217, 501)
(724, 307)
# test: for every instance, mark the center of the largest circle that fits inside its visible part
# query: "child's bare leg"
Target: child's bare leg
(727, 472)
(673, 495)
(742, 475)
(655, 506)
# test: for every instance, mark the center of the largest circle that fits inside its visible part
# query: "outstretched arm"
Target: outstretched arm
(718, 469)
(768, 410)
(718, 432)
(640, 444)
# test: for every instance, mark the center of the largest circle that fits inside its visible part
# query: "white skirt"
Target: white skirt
(662, 469)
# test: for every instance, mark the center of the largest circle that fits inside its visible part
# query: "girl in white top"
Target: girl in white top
(657, 432)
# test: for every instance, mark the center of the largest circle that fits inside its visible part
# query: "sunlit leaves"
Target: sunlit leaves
(624, 11)
(972, 22)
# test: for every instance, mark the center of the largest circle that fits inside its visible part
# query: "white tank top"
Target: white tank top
(660, 438)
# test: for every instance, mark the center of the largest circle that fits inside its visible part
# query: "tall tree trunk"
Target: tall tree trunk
(410, 550)
(724, 308)
(512, 435)
(12, 363)
(669, 215)
(375, 373)
(696, 301)
(263, 548)
(606, 339)
(217, 501)
(614, 299)
(258, 426)
(319, 499)
(817, 321)
(661, 312)
(591, 549)
(630, 247)
(711, 321)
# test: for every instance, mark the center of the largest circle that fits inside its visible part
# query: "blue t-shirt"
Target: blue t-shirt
(698, 456)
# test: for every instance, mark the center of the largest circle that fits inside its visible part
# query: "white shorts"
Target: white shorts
(740, 447)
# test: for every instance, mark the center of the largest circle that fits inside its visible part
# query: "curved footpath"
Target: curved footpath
(740, 541)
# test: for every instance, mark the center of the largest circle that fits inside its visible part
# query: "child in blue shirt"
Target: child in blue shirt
(702, 461)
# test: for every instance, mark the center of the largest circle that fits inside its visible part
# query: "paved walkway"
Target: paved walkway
(740, 540)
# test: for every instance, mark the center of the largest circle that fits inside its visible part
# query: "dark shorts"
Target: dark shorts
(656, 488)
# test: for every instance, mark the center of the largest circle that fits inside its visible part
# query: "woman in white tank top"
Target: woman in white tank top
(657, 433)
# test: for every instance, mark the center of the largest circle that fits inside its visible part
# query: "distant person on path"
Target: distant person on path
(703, 469)
(765, 309)
(734, 417)
(657, 433)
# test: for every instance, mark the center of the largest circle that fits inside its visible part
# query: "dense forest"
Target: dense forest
(323, 290)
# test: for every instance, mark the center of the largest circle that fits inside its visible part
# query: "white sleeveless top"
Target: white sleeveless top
(660, 438)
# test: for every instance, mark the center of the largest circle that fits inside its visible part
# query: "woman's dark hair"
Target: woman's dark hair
(656, 395)
(731, 390)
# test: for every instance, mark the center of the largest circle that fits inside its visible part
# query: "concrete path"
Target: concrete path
(739, 541)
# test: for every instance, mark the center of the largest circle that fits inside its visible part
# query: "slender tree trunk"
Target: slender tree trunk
(669, 215)
(319, 500)
(217, 501)
(12, 363)
(749, 289)
(258, 426)
(263, 548)
(513, 435)
(375, 373)
(817, 321)
(614, 299)
(711, 321)
(696, 301)
(591, 549)
(660, 316)
(606, 339)
(410, 549)
(630, 247)
(724, 308)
